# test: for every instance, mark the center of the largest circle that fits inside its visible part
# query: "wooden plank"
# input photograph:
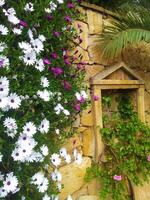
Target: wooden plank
(109, 87)
(116, 82)
(98, 124)
(140, 103)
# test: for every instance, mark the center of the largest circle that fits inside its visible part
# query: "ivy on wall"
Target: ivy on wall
(40, 92)
(126, 158)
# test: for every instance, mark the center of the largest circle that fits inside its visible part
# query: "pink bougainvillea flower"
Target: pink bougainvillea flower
(96, 98)
(117, 177)
(54, 55)
(148, 158)
(56, 33)
(67, 85)
(23, 23)
(57, 71)
(77, 107)
(46, 61)
(70, 5)
(68, 19)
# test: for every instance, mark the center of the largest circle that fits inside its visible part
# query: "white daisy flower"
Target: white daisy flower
(13, 19)
(10, 11)
(3, 46)
(10, 123)
(46, 197)
(63, 152)
(67, 159)
(25, 140)
(45, 95)
(4, 61)
(78, 159)
(53, 6)
(3, 30)
(17, 155)
(44, 150)
(26, 47)
(11, 133)
(58, 108)
(35, 157)
(3, 102)
(3, 192)
(29, 58)
(59, 186)
(44, 126)
(14, 101)
(1, 176)
(39, 65)
(60, 1)
(1, 157)
(42, 38)
(44, 82)
(66, 112)
(55, 159)
(30, 34)
(56, 176)
(22, 153)
(43, 186)
(37, 45)
(29, 7)
(4, 81)
(29, 129)
(2, 2)
(37, 179)
(17, 31)
(10, 183)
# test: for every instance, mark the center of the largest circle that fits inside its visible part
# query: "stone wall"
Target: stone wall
(93, 20)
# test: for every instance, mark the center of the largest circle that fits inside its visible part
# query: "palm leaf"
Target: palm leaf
(124, 31)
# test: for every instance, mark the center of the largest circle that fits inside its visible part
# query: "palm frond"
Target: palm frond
(130, 28)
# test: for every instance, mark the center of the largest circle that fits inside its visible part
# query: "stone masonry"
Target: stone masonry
(93, 20)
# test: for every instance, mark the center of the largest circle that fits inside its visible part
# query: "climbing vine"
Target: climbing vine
(126, 158)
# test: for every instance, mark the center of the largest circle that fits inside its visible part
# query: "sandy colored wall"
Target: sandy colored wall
(92, 24)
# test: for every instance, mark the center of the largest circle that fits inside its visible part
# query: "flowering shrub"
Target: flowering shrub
(40, 88)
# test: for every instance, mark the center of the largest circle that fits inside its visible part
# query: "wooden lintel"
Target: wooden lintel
(116, 82)
(109, 87)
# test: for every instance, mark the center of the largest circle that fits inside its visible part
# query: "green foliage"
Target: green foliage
(115, 4)
(127, 146)
(131, 27)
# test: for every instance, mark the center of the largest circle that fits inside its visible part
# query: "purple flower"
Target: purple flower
(67, 62)
(70, 5)
(23, 23)
(68, 19)
(56, 33)
(49, 17)
(117, 177)
(1, 63)
(67, 85)
(46, 61)
(77, 107)
(81, 100)
(96, 98)
(57, 71)
(54, 55)
(148, 158)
